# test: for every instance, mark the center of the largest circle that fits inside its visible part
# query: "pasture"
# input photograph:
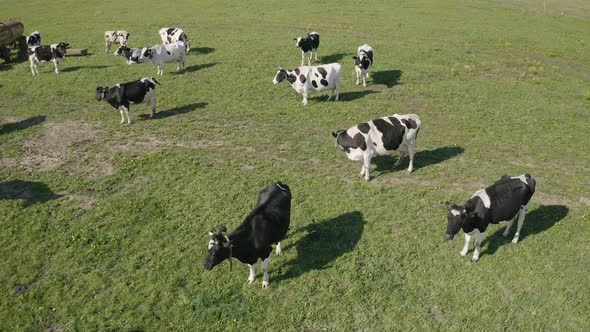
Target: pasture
(103, 227)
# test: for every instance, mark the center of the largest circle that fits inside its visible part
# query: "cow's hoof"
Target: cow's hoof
(474, 259)
(463, 253)
(249, 281)
(515, 240)
(265, 284)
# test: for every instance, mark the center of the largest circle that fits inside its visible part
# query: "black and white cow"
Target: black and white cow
(252, 240)
(160, 54)
(380, 136)
(505, 200)
(131, 54)
(45, 53)
(34, 39)
(309, 46)
(305, 79)
(121, 95)
(363, 60)
(172, 35)
(115, 37)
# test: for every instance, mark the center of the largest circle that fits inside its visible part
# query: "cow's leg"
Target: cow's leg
(122, 114)
(521, 215)
(125, 110)
(337, 89)
(367, 162)
(466, 246)
(304, 98)
(161, 69)
(330, 95)
(252, 274)
(265, 271)
(33, 67)
(55, 64)
(302, 58)
(478, 240)
(279, 249)
(411, 154)
(365, 76)
(357, 75)
(507, 230)
(399, 159)
(153, 104)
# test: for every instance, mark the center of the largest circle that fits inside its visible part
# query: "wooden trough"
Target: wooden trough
(76, 51)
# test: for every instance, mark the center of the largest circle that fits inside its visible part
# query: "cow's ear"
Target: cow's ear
(335, 134)
(448, 206)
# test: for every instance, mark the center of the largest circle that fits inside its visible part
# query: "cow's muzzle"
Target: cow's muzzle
(449, 236)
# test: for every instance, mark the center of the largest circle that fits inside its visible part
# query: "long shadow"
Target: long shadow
(334, 57)
(31, 192)
(325, 241)
(201, 50)
(348, 96)
(5, 66)
(191, 69)
(30, 122)
(421, 159)
(175, 111)
(537, 221)
(390, 78)
(76, 68)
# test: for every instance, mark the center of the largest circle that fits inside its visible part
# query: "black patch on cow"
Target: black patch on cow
(324, 82)
(393, 135)
(314, 83)
(322, 71)
(302, 78)
(364, 127)
(316, 75)
(291, 78)
(297, 71)
(358, 141)
(168, 52)
(411, 124)
(346, 142)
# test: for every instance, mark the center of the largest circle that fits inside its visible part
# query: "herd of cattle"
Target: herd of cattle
(268, 223)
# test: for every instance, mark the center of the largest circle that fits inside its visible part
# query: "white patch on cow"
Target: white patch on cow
(483, 195)
(211, 244)
(466, 246)
(478, 240)
(521, 178)
(456, 212)
(521, 215)
(279, 250)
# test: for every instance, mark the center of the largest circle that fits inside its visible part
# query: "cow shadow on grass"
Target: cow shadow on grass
(324, 242)
(346, 96)
(76, 68)
(421, 159)
(334, 58)
(24, 124)
(536, 221)
(175, 111)
(31, 192)
(390, 78)
(193, 68)
(201, 50)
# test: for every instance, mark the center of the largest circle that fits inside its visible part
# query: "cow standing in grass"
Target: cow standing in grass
(252, 240)
(309, 46)
(505, 200)
(380, 137)
(120, 37)
(123, 94)
(363, 60)
(305, 79)
(160, 54)
(45, 53)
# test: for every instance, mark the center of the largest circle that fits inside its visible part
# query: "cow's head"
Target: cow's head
(455, 219)
(362, 60)
(280, 76)
(100, 92)
(299, 40)
(147, 53)
(341, 137)
(219, 249)
(122, 50)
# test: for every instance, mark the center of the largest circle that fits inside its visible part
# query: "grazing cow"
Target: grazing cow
(34, 39)
(131, 54)
(503, 201)
(45, 53)
(380, 136)
(172, 35)
(160, 54)
(363, 60)
(121, 95)
(309, 78)
(115, 37)
(309, 46)
(266, 224)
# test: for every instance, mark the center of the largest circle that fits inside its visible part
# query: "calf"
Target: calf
(266, 224)
(121, 95)
(131, 54)
(115, 37)
(309, 78)
(381, 137)
(362, 63)
(172, 35)
(309, 46)
(503, 201)
(160, 54)
(34, 39)
(45, 53)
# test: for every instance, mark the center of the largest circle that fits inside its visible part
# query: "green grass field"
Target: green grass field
(103, 226)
